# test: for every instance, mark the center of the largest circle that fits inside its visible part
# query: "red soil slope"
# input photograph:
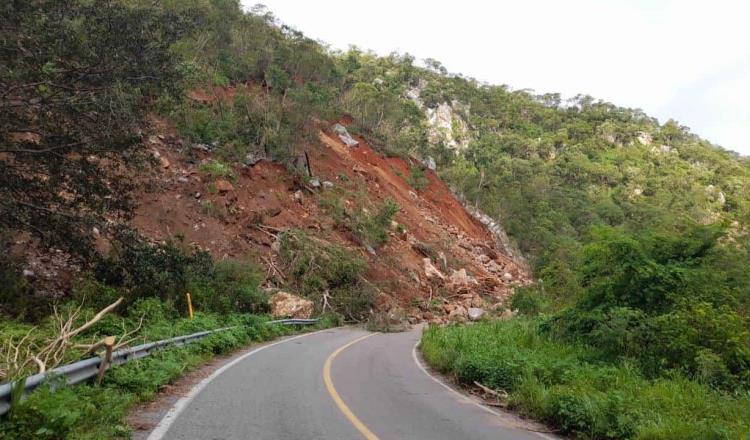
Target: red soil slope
(238, 219)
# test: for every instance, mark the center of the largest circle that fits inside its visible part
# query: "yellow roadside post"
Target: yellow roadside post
(190, 305)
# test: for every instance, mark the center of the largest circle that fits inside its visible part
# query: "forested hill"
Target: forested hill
(637, 231)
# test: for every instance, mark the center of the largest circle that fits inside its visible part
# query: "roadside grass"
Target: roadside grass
(565, 386)
(86, 411)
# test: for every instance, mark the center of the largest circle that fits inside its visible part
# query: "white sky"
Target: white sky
(688, 60)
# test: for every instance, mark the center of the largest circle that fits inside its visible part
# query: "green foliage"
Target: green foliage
(83, 412)
(231, 286)
(139, 270)
(417, 178)
(529, 300)
(72, 97)
(367, 228)
(657, 298)
(372, 229)
(566, 385)
(217, 169)
(321, 269)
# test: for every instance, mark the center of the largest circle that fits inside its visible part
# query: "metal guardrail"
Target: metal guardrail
(88, 368)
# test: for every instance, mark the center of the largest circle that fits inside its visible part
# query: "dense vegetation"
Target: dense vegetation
(635, 229)
(573, 389)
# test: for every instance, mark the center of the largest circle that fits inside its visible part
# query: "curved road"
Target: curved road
(342, 383)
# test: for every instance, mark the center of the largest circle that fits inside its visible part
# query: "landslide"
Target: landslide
(438, 262)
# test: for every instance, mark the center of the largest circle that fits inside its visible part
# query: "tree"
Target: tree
(75, 81)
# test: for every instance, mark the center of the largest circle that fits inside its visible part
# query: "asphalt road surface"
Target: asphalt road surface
(335, 384)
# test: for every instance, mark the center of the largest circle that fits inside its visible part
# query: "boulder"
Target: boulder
(460, 281)
(286, 305)
(327, 184)
(298, 196)
(344, 135)
(431, 271)
(458, 313)
(475, 313)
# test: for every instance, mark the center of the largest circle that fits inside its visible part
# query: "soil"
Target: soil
(238, 218)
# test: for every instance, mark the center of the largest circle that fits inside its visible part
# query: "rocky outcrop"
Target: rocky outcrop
(503, 242)
(445, 122)
(344, 135)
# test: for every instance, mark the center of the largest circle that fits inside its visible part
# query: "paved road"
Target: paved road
(335, 384)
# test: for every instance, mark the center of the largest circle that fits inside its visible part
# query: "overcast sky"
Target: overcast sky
(688, 60)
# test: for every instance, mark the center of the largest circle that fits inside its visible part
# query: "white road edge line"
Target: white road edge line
(161, 429)
(462, 396)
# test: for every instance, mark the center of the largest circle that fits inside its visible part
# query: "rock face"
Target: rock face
(502, 239)
(446, 125)
(344, 135)
(644, 138)
(286, 305)
(429, 162)
(251, 159)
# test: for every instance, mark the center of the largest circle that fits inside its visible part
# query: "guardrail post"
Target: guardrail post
(109, 342)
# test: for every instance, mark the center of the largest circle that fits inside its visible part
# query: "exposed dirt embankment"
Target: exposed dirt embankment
(438, 263)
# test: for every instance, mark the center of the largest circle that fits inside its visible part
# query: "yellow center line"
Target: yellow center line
(335, 395)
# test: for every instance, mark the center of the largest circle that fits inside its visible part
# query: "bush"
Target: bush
(368, 229)
(68, 413)
(318, 268)
(656, 299)
(417, 177)
(217, 169)
(372, 229)
(140, 270)
(565, 384)
(232, 286)
(529, 300)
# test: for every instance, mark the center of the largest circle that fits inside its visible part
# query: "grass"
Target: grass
(90, 412)
(564, 385)
(217, 170)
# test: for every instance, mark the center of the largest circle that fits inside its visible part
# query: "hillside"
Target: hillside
(243, 211)
(151, 149)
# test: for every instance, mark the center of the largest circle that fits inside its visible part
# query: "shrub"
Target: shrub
(232, 286)
(567, 386)
(368, 229)
(417, 177)
(140, 270)
(217, 169)
(529, 300)
(318, 268)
